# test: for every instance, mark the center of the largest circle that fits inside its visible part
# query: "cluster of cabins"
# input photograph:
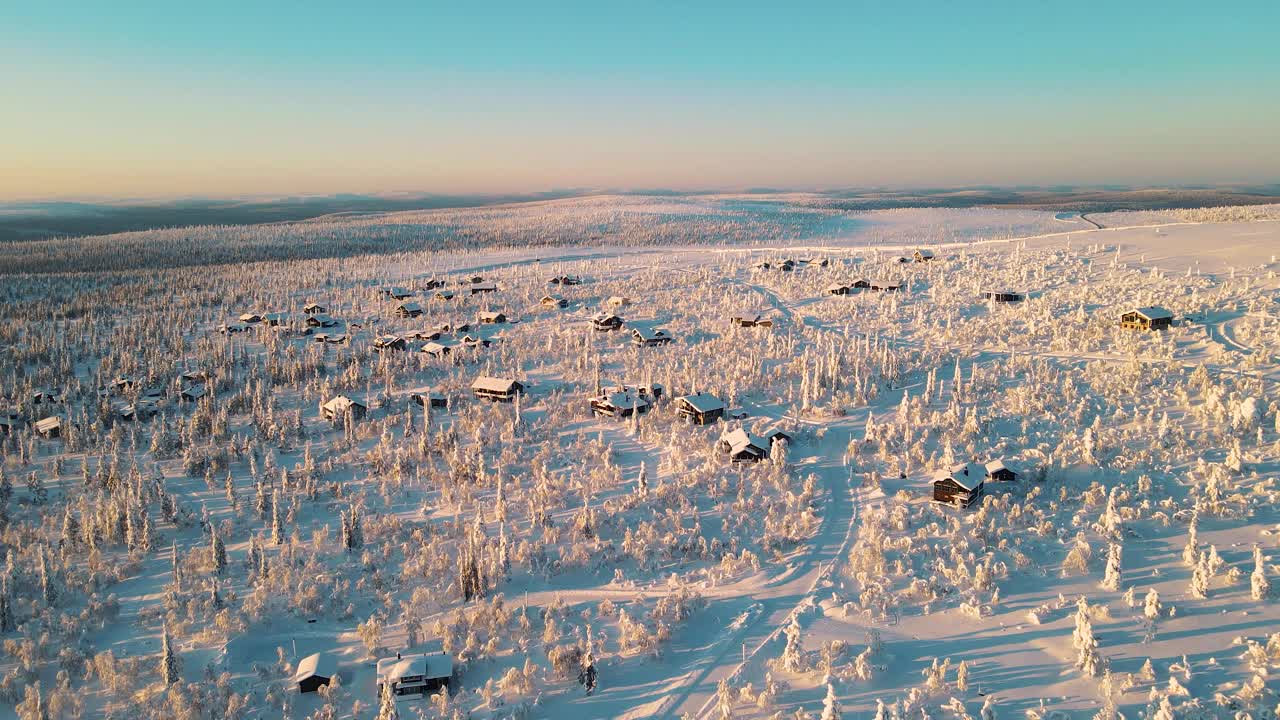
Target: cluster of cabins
(404, 675)
(963, 484)
(623, 401)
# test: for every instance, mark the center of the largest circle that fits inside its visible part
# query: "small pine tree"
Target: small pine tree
(219, 554)
(1088, 659)
(387, 710)
(170, 665)
(277, 527)
(1111, 576)
(48, 588)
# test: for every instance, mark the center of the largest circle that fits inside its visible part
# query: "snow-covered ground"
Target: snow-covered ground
(699, 587)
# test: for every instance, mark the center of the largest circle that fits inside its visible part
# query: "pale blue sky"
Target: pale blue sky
(228, 98)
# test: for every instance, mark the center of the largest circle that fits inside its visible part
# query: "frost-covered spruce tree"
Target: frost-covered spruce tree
(277, 527)
(219, 550)
(962, 676)
(1111, 575)
(988, 710)
(1260, 585)
(1086, 645)
(793, 658)
(642, 482)
(1191, 553)
(170, 665)
(48, 587)
(1200, 576)
(387, 710)
(830, 706)
(7, 622)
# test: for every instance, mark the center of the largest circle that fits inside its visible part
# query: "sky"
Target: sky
(229, 98)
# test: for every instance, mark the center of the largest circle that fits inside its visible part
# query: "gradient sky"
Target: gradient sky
(136, 99)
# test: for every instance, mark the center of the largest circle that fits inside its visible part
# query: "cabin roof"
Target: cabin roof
(967, 475)
(316, 665)
(494, 384)
(995, 466)
(703, 402)
(1154, 312)
(428, 666)
(342, 403)
(49, 423)
(650, 333)
(739, 440)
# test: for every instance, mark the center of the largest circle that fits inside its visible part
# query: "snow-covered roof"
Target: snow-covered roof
(995, 466)
(703, 402)
(491, 315)
(647, 334)
(341, 404)
(195, 392)
(967, 475)
(1154, 312)
(624, 399)
(318, 665)
(494, 384)
(49, 423)
(739, 440)
(444, 294)
(409, 307)
(924, 253)
(476, 287)
(437, 348)
(428, 667)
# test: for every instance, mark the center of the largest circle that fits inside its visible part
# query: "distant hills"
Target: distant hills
(39, 220)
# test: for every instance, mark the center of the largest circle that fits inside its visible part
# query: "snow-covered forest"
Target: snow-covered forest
(185, 514)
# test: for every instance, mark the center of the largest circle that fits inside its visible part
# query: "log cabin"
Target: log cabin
(961, 485)
(700, 408)
(1147, 318)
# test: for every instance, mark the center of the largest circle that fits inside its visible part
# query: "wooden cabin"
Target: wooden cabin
(997, 471)
(250, 318)
(415, 675)
(432, 284)
(775, 435)
(314, 308)
(396, 292)
(430, 397)
(646, 337)
(619, 402)
(425, 335)
(193, 393)
(341, 407)
(498, 389)
(743, 446)
(838, 289)
(320, 320)
(277, 319)
(40, 397)
(1147, 318)
(553, 301)
(1003, 296)
(444, 295)
(751, 321)
(961, 485)
(860, 284)
(408, 310)
(315, 671)
(10, 421)
(438, 349)
(330, 338)
(50, 427)
(482, 287)
(700, 408)
(233, 328)
(922, 255)
(605, 322)
(493, 318)
(565, 280)
(389, 342)
(886, 285)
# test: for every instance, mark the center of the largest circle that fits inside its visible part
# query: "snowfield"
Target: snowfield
(171, 557)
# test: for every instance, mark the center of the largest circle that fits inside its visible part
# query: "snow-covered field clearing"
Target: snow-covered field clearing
(251, 531)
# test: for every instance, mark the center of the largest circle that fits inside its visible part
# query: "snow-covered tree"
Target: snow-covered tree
(1087, 659)
(1259, 584)
(1111, 575)
(830, 706)
(170, 665)
(793, 657)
